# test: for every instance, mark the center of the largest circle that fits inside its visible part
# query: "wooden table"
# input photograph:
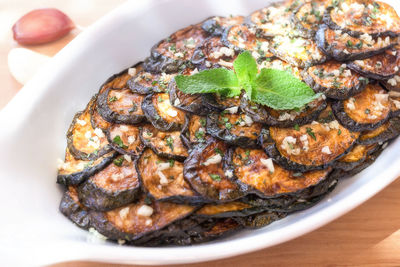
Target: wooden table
(369, 235)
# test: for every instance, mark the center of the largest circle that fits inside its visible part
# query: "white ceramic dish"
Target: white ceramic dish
(32, 137)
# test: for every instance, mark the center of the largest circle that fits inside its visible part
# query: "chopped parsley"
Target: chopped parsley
(112, 99)
(169, 141)
(311, 133)
(215, 177)
(119, 161)
(118, 141)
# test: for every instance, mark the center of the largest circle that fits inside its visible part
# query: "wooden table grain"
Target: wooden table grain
(366, 236)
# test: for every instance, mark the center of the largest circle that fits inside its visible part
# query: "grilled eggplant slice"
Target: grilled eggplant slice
(186, 102)
(343, 47)
(73, 171)
(355, 157)
(297, 51)
(194, 131)
(257, 173)
(335, 80)
(217, 102)
(380, 67)
(164, 144)
(283, 118)
(73, 209)
(84, 142)
(163, 179)
(173, 53)
(160, 112)
(204, 170)
(384, 133)
(120, 106)
(307, 17)
(260, 220)
(145, 83)
(234, 129)
(217, 25)
(229, 209)
(309, 147)
(358, 17)
(365, 111)
(136, 220)
(114, 186)
(125, 139)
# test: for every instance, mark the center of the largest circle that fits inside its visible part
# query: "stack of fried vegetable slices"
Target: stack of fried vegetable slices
(149, 165)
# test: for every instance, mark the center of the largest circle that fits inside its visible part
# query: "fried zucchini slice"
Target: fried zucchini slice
(96, 119)
(119, 80)
(164, 144)
(280, 65)
(84, 142)
(260, 220)
(114, 186)
(344, 47)
(173, 53)
(235, 129)
(120, 106)
(138, 219)
(229, 209)
(73, 209)
(355, 157)
(257, 173)
(393, 84)
(307, 17)
(194, 131)
(334, 79)
(145, 83)
(213, 53)
(359, 17)
(309, 147)
(217, 25)
(218, 102)
(161, 113)
(163, 179)
(187, 102)
(365, 111)
(394, 98)
(283, 118)
(204, 170)
(73, 171)
(383, 133)
(125, 139)
(379, 67)
(297, 51)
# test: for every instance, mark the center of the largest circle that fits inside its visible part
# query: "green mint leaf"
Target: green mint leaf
(246, 70)
(280, 90)
(219, 80)
(215, 177)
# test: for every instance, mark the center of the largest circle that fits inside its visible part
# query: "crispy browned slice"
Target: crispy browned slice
(309, 147)
(72, 171)
(334, 79)
(138, 219)
(380, 67)
(217, 25)
(114, 186)
(96, 119)
(119, 80)
(359, 17)
(194, 130)
(365, 111)
(187, 102)
(164, 144)
(84, 142)
(344, 47)
(394, 98)
(218, 102)
(235, 129)
(147, 83)
(383, 133)
(204, 170)
(171, 54)
(281, 65)
(257, 173)
(163, 179)
(229, 209)
(73, 209)
(392, 84)
(125, 139)
(307, 17)
(161, 113)
(355, 157)
(221, 229)
(260, 220)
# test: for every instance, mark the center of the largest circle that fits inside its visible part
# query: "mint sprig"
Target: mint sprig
(274, 88)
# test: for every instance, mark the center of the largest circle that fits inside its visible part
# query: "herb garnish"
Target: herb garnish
(215, 177)
(118, 141)
(311, 133)
(119, 161)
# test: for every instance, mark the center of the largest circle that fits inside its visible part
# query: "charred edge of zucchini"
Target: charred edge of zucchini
(392, 130)
(337, 91)
(76, 152)
(260, 220)
(219, 103)
(96, 119)
(216, 26)
(145, 83)
(96, 197)
(118, 80)
(307, 32)
(262, 114)
(164, 145)
(359, 154)
(186, 102)
(340, 54)
(200, 134)
(225, 210)
(217, 187)
(125, 139)
(80, 176)
(73, 210)
(222, 130)
(156, 120)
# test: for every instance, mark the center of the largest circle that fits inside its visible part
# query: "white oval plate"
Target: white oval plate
(32, 137)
